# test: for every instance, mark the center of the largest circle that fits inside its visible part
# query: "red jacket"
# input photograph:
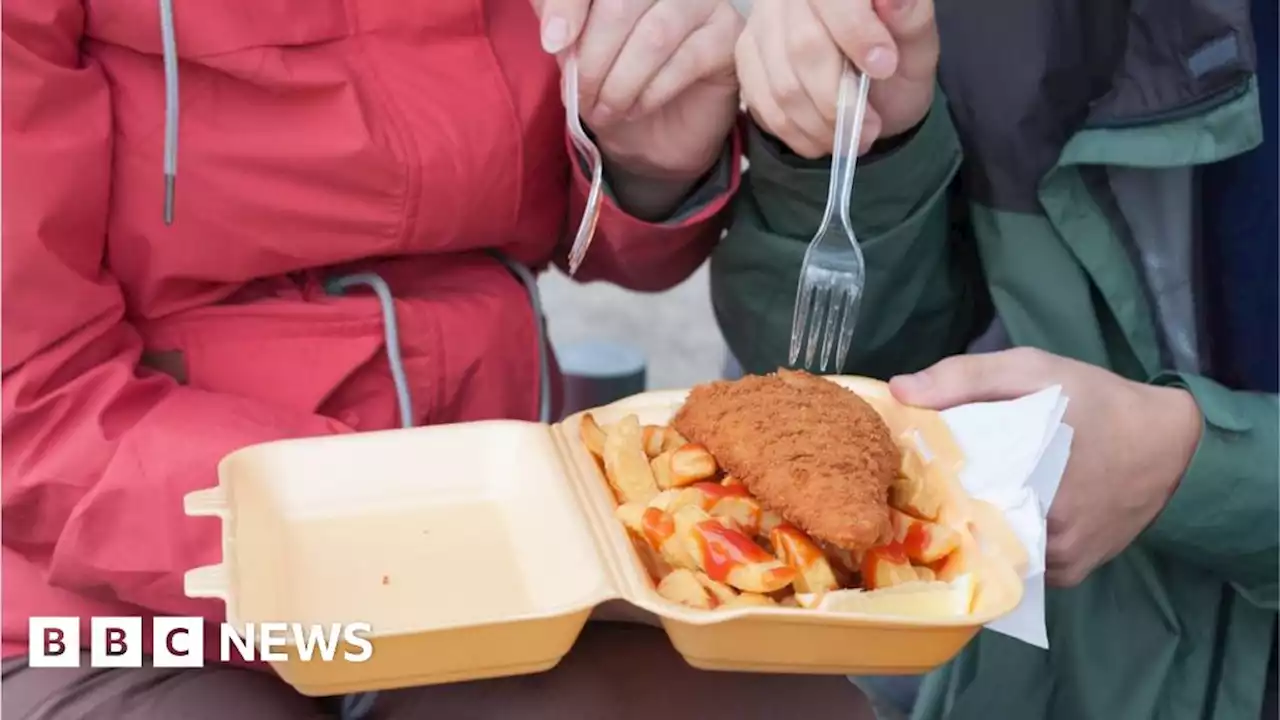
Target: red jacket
(318, 137)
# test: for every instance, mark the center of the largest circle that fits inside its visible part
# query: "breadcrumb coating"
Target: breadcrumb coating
(814, 452)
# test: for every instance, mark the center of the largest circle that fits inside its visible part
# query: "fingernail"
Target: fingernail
(555, 33)
(880, 62)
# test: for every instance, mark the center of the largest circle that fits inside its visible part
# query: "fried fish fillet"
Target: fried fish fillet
(807, 448)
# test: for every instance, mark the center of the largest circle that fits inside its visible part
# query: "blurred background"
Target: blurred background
(675, 330)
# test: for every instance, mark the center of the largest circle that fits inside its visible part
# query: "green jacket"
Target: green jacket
(1039, 226)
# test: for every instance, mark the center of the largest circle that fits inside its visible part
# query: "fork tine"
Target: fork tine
(575, 255)
(821, 295)
(800, 317)
(853, 303)
(833, 316)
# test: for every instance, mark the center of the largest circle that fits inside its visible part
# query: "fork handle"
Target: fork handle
(850, 112)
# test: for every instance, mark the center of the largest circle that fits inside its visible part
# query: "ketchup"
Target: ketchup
(717, 492)
(797, 550)
(916, 540)
(892, 553)
(724, 549)
(658, 527)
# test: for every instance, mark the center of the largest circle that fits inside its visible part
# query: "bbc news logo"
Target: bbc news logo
(178, 642)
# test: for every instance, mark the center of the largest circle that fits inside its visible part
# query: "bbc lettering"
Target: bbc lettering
(178, 642)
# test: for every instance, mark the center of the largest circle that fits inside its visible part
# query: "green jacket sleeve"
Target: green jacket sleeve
(1225, 514)
(919, 303)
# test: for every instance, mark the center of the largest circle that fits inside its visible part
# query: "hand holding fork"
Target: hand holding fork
(833, 272)
(794, 64)
(654, 82)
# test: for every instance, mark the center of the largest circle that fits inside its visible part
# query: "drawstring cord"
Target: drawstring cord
(169, 41)
(544, 361)
(386, 300)
(391, 331)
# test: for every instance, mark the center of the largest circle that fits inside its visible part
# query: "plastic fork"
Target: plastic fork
(587, 227)
(833, 272)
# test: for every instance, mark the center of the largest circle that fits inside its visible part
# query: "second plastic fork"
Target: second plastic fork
(833, 272)
(587, 227)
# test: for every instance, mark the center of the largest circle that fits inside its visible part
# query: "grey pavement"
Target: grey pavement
(676, 330)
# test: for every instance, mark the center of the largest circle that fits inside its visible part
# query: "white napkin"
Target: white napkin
(1015, 454)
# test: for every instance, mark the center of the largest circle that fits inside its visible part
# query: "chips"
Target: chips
(626, 464)
(709, 544)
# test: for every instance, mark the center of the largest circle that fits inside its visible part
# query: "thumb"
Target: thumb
(975, 378)
(914, 29)
(907, 20)
(561, 21)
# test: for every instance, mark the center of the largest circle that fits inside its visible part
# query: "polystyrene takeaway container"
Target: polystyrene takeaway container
(479, 550)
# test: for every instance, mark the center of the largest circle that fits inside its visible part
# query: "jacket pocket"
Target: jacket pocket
(211, 28)
(282, 358)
